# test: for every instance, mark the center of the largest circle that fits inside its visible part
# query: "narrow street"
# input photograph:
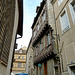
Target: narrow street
(37, 37)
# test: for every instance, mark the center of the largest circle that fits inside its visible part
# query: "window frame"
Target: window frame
(67, 28)
(19, 65)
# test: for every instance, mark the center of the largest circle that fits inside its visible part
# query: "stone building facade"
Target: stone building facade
(10, 21)
(65, 24)
(29, 59)
(43, 41)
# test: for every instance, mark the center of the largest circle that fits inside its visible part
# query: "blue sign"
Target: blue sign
(39, 65)
(21, 74)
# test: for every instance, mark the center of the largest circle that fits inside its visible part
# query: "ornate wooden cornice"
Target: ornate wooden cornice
(44, 27)
(44, 54)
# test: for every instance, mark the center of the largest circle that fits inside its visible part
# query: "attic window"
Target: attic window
(20, 51)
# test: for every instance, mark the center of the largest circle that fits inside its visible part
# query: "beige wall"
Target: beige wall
(67, 39)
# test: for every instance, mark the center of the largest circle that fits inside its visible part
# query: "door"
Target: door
(45, 68)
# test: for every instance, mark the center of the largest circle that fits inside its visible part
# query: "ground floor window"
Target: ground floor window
(72, 70)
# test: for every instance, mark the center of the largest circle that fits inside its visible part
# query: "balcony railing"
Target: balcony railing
(44, 54)
(40, 33)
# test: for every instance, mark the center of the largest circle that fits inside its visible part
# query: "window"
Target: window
(20, 51)
(44, 41)
(40, 45)
(19, 57)
(43, 16)
(24, 65)
(38, 27)
(36, 50)
(34, 33)
(64, 22)
(72, 9)
(48, 38)
(19, 64)
(59, 2)
(22, 57)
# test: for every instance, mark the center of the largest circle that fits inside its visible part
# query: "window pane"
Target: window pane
(38, 27)
(48, 38)
(19, 57)
(43, 16)
(36, 50)
(34, 33)
(22, 57)
(65, 21)
(24, 65)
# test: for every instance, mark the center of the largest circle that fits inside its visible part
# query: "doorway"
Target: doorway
(45, 68)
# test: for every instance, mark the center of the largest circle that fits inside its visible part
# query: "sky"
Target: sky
(29, 12)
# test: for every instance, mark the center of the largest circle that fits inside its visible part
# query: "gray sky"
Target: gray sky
(29, 12)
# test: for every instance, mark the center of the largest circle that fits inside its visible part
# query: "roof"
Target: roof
(20, 52)
(20, 22)
(39, 11)
(24, 48)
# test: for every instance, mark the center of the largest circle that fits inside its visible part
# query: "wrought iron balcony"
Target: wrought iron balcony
(44, 54)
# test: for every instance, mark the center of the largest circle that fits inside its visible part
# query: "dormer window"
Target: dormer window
(20, 51)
